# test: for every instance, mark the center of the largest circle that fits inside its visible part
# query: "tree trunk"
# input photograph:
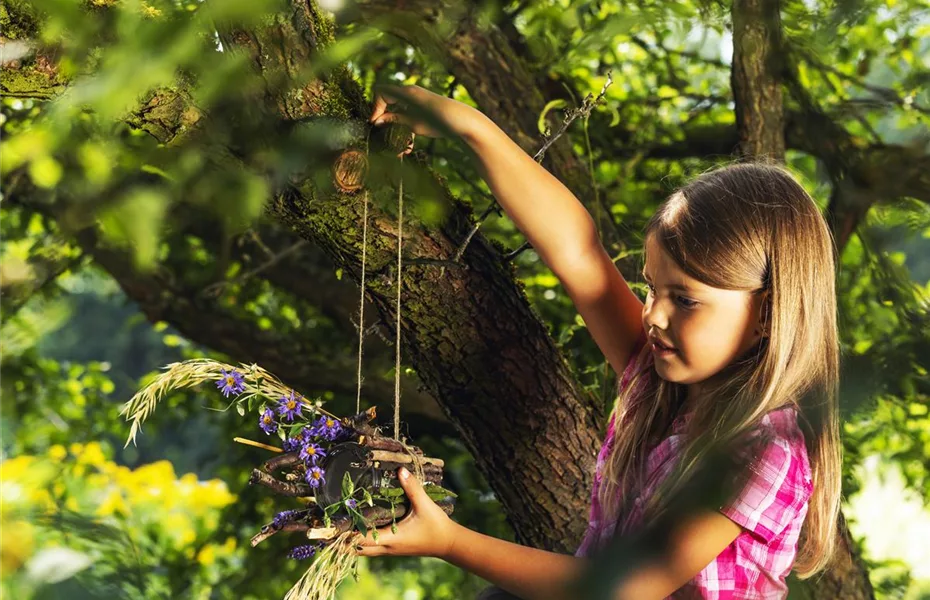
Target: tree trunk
(756, 79)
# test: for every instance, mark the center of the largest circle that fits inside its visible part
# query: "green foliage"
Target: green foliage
(167, 143)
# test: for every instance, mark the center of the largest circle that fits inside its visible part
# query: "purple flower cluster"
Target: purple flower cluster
(292, 444)
(267, 422)
(310, 453)
(315, 477)
(231, 383)
(351, 503)
(283, 518)
(289, 407)
(302, 552)
(327, 428)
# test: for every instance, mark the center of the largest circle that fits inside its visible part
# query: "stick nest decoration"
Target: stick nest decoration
(342, 472)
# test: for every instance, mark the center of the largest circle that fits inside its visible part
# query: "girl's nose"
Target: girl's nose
(655, 315)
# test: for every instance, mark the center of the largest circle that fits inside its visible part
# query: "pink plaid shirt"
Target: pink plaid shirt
(770, 508)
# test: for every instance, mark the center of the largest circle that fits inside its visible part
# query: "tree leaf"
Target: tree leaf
(551, 105)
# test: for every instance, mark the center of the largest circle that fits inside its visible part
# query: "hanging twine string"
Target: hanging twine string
(361, 301)
(361, 304)
(400, 229)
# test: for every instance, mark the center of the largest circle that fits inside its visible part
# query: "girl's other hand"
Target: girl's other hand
(424, 112)
(424, 531)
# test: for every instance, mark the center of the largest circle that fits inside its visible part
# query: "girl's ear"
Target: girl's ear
(765, 308)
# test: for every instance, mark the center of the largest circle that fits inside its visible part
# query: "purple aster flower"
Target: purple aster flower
(315, 477)
(307, 433)
(267, 422)
(302, 552)
(289, 407)
(231, 383)
(310, 453)
(327, 428)
(283, 517)
(292, 444)
(351, 503)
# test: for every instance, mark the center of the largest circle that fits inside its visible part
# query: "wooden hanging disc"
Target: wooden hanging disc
(350, 170)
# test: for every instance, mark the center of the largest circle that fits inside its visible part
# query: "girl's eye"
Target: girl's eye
(684, 302)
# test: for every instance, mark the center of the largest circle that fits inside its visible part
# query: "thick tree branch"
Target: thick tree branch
(309, 363)
(484, 60)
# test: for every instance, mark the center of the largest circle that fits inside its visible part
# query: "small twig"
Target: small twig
(285, 488)
(825, 75)
(269, 530)
(512, 255)
(363, 418)
(400, 458)
(887, 95)
(587, 105)
(431, 473)
(214, 289)
(450, 90)
(435, 261)
(258, 242)
(685, 53)
(321, 533)
(383, 443)
(281, 461)
(374, 328)
(256, 444)
(492, 207)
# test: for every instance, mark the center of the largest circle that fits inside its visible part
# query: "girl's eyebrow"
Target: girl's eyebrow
(674, 286)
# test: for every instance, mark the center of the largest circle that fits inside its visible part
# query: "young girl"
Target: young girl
(735, 348)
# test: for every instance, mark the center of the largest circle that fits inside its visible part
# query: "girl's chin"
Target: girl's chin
(670, 370)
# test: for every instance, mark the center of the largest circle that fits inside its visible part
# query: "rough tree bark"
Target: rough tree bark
(756, 78)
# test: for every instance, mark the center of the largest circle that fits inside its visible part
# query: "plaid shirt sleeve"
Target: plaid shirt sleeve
(774, 492)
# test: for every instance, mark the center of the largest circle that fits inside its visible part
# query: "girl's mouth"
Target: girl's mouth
(662, 351)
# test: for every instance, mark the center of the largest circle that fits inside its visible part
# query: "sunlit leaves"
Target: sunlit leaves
(136, 222)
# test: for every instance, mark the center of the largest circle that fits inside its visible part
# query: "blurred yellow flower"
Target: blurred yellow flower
(113, 504)
(57, 452)
(22, 484)
(92, 455)
(206, 556)
(16, 545)
(147, 502)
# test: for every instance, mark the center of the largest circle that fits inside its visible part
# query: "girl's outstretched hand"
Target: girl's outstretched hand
(424, 531)
(424, 112)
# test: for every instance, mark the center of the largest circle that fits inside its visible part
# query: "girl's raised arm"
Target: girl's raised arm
(557, 225)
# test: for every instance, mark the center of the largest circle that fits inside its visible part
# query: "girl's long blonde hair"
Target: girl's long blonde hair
(748, 227)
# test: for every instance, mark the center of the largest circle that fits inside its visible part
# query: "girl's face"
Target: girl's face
(707, 328)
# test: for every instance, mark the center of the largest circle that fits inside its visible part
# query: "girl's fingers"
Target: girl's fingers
(385, 95)
(389, 117)
(370, 550)
(385, 536)
(379, 108)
